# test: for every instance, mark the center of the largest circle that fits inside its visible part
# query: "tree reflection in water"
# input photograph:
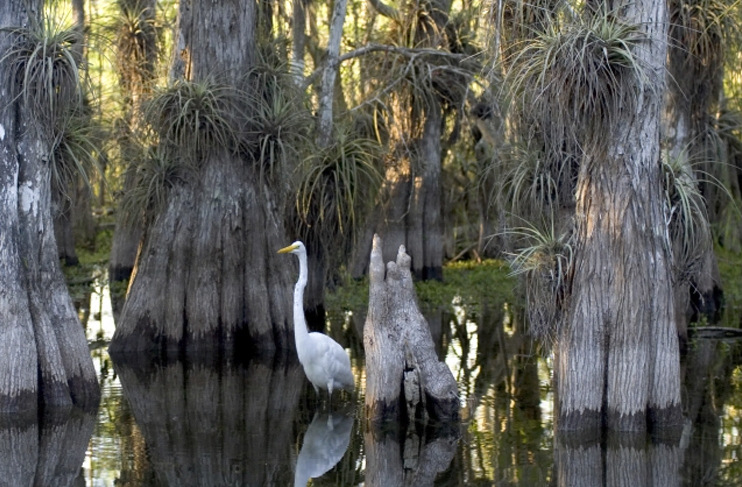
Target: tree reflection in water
(48, 451)
(203, 423)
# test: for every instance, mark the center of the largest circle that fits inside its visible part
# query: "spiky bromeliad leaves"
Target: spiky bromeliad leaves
(42, 67)
(573, 78)
(277, 128)
(544, 259)
(334, 181)
(189, 118)
(690, 232)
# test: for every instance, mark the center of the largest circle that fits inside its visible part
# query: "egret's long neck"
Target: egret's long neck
(300, 326)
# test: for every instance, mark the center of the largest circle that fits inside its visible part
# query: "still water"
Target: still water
(259, 422)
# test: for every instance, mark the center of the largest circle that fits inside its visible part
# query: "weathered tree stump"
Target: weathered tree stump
(403, 373)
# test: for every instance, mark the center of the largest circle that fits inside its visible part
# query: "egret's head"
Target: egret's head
(295, 248)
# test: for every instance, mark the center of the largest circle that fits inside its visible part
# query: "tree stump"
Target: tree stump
(403, 373)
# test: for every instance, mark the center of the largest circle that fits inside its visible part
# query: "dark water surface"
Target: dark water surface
(258, 422)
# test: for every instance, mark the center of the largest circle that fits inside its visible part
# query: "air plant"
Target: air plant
(190, 118)
(42, 69)
(544, 259)
(156, 174)
(75, 150)
(334, 181)
(278, 125)
(576, 78)
(690, 232)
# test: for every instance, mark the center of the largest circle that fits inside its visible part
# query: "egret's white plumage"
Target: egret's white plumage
(325, 362)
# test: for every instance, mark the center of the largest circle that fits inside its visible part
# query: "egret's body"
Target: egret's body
(325, 362)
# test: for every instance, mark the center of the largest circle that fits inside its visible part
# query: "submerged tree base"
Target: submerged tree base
(404, 376)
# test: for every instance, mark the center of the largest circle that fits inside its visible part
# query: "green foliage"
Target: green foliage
(544, 259)
(191, 118)
(335, 181)
(528, 182)
(78, 141)
(689, 228)
(468, 283)
(93, 264)
(277, 125)
(575, 78)
(42, 69)
(155, 175)
(730, 271)
(137, 36)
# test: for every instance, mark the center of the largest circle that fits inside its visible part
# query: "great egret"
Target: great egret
(325, 362)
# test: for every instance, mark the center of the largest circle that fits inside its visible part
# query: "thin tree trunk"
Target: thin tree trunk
(136, 75)
(299, 34)
(327, 87)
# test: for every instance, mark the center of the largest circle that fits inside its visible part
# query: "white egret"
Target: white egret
(325, 362)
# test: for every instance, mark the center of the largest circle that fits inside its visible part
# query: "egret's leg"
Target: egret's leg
(329, 394)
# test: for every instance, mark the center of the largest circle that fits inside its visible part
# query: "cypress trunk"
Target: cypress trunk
(404, 378)
(619, 347)
(47, 363)
(208, 277)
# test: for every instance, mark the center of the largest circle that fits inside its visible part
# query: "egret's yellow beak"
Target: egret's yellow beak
(288, 249)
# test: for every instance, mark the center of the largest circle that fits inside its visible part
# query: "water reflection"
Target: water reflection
(620, 460)
(214, 423)
(49, 451)
(208, 423)
(325, 443)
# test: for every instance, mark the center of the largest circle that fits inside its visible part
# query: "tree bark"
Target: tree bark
(411, 213)
(329, 72)
(619, 346)
(403, 375)
(220, 284)
(47, 362)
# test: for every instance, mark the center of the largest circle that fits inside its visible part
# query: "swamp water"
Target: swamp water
(259, 422)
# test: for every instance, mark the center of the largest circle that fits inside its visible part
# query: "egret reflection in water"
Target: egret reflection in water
(325, 443)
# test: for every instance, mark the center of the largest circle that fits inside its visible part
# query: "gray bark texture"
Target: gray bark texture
(46, 361)
(208, 275)
(236, 419)
(47, 452)
(619, 347)
(403, 375)
(329, 72)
